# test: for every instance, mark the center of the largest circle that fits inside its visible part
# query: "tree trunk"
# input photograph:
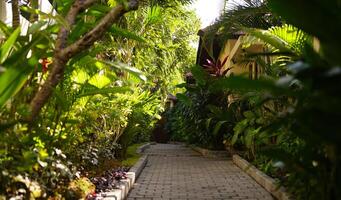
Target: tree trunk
(35, 5)
(15, 14)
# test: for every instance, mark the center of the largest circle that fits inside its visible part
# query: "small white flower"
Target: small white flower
(58, 151)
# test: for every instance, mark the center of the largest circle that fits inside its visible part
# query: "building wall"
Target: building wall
(3, 13)
(237, 68)
(235, 53)
(6, 13)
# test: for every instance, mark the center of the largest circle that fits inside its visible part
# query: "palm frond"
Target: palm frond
(245, 13)
(294, 37)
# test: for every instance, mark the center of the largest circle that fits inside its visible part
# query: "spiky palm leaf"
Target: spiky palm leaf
(245, 13)
(283, 45)
(293, 37)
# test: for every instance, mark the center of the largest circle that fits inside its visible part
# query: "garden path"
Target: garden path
(177, 172)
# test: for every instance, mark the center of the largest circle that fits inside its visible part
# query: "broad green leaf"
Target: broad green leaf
(11, 81)
(243, 84)
(248, 138)
(105, 91)
(132, 70)
(80, 76)
(217, 127)
(21, 54)
(7, 46)
(99, 80)
(270, 39)
(235, 138)
(117, 31)
(17, 70)
(239, 129)
(208, 123)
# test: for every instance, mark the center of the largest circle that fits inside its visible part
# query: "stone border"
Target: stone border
(126, 185)
(142, 148)
(210, 153)
(261, 178)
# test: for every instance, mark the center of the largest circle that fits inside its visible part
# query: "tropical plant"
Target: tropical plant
(300, 97)
(96, 102)
(216, 68)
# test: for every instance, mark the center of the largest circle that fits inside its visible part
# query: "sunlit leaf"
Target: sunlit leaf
(217, 127)
(132, 70)
(117, 31)
(104, 91)
(7, 46)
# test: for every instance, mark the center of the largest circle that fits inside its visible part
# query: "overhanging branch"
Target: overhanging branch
(63, 54)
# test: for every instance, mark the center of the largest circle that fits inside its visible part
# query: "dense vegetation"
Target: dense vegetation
(286, 121)
(82, 85)
(103, 98)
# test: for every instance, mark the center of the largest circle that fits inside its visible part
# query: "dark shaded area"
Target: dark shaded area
(159, 133)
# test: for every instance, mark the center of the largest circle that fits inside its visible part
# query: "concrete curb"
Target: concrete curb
(210, 153)
(142, 148)
(126, 185)
(262, 179)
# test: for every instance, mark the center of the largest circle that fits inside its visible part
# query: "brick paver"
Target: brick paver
(176, 172)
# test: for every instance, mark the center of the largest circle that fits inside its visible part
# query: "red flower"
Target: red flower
(44, 64)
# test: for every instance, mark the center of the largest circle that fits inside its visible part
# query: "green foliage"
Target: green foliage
(286, 122)
(110, 96)
(194, 120)
(293, 120)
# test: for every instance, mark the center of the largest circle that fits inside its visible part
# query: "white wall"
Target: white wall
(6, 13)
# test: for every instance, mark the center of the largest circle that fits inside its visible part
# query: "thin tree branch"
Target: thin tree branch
(63, 54)
(70, 18)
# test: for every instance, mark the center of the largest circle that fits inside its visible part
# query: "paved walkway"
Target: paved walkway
(176, 172)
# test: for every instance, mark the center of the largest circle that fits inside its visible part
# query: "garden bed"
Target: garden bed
(116, 183)
(124, 186)
(261, 178)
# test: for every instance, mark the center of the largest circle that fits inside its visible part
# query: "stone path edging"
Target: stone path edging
(261, 178)
(125, 185)
(210, 153)
(142, 148)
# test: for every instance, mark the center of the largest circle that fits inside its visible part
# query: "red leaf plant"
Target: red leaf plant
(216, 68)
